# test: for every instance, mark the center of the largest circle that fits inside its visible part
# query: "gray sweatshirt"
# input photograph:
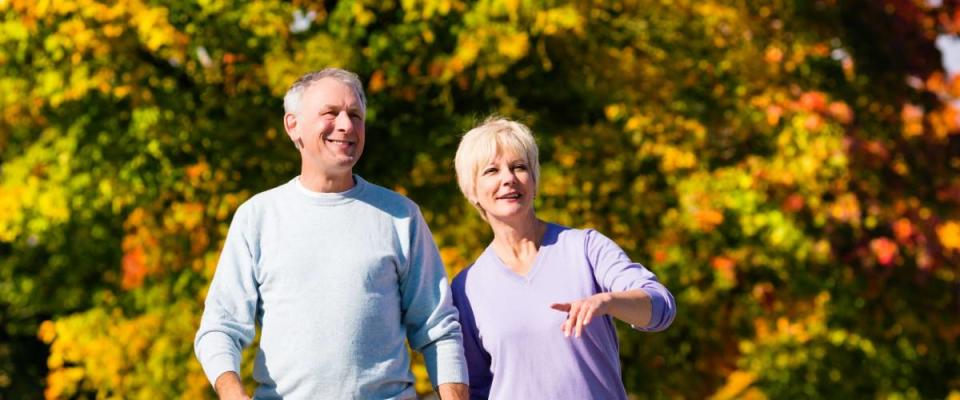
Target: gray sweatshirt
(337, 282)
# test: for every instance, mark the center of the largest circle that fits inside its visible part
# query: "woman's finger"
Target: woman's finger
(582, 319)
(588, 316)
(571, 322)
(567, 326)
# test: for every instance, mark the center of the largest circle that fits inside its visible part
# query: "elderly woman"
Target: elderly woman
(535, 307)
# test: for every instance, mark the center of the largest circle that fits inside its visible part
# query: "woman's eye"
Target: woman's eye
(489, 171)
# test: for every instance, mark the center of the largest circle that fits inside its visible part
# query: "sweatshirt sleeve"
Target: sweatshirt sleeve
(615, 272)
(227, 324)
(428, 314)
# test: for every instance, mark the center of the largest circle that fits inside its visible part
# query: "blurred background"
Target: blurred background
(789, 168)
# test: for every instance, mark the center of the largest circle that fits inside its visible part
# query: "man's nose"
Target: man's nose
(343, 122)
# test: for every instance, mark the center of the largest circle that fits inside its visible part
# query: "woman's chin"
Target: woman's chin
(512, 216)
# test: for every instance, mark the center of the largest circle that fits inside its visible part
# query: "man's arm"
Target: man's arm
(453, 391)
(229, 387)
(428, 313)
(227, 324)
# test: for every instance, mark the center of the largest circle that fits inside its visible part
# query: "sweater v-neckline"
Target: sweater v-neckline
(534, 266)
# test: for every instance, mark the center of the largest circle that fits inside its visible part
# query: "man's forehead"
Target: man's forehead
(329, 89)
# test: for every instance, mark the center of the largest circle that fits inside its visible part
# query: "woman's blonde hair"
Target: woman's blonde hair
(480, 145)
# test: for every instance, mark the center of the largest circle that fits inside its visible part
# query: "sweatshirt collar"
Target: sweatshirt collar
(328, 199)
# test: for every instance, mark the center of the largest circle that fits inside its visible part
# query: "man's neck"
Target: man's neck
(317, 181)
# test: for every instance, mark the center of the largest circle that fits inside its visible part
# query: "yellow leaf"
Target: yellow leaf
(949, 234)
(736, 383)
(613, 111)
(514, 46)
(47, 331)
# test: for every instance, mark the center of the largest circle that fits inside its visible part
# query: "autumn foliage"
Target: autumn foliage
(789, 168)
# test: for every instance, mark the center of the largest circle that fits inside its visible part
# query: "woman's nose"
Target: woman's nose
(509, 177)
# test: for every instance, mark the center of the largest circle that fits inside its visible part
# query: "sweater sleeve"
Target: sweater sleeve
(478, 360)
(615, 272)
(227, 324)
(428, 313)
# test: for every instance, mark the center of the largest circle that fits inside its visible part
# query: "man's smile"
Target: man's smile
(341, 142)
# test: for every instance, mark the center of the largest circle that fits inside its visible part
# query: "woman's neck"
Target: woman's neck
(517, 241)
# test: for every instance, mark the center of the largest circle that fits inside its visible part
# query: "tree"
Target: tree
(787, 168)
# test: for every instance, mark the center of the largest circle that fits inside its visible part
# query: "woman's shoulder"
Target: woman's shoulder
(584, 234)
(564, 235)
(480, 272)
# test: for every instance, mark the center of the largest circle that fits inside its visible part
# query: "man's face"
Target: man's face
(330, 123)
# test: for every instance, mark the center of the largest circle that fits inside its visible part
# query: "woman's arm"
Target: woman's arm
(629, 292)
(632, 306)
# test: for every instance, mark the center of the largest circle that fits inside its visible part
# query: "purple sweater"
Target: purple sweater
(514, 346)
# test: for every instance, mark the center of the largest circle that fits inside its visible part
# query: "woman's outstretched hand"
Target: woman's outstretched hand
(581, 312)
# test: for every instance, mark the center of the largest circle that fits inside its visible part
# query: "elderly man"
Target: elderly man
(336, 271)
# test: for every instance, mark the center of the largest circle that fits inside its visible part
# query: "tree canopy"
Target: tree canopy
(790, 169)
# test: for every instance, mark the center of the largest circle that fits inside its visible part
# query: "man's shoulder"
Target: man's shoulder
(387, 194)
(258, 202)
(389, 199)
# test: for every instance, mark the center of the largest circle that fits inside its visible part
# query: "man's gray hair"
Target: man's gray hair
(291, 100)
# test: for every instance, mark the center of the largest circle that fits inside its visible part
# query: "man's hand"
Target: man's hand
(229, 387)
(453, 391)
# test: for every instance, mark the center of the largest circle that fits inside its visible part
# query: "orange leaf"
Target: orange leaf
(902, 229)
(884, 249)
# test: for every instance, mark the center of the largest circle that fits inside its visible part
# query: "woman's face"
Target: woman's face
(506, 187)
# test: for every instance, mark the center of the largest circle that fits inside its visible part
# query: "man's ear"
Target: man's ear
(290, 125)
